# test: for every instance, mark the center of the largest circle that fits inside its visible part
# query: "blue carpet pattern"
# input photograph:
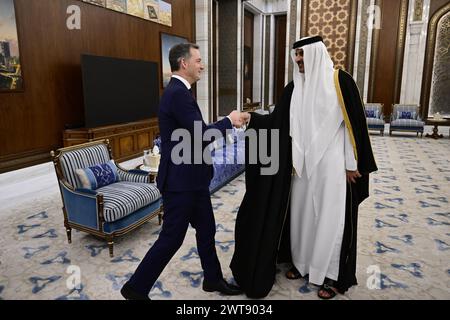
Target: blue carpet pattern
(403, 240)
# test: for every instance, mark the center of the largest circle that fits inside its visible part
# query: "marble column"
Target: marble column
(416, 36)
(362, 47)
(203, 35)
(291, 30)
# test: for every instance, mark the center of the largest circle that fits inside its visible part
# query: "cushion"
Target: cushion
(98, 176)
(134, 176)
(407, 123)
(406, 114)
(82, 158)
(371, 114)
(123, 198)
(375, 121)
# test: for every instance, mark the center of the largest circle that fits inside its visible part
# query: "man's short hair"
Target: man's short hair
(178, 52)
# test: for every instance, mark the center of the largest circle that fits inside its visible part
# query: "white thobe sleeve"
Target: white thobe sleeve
(350, 159)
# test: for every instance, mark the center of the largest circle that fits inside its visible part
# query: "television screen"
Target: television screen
(118, 90)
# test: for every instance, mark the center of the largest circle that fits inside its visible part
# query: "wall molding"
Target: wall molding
(401, 36)
(24, 159)
(429, 58)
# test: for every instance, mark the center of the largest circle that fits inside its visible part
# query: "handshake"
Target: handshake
(239, 119)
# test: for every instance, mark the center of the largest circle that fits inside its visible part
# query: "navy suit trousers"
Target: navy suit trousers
(180, 209)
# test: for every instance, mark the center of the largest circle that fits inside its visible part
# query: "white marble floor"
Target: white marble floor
(403, 231)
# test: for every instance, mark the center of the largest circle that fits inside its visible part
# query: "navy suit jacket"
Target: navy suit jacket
(178, 109)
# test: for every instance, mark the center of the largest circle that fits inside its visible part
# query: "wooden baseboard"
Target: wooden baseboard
(24, 159)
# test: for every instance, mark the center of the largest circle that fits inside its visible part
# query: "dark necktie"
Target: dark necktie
(192, 94)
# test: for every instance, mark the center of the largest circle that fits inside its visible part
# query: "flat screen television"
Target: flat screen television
(118, 90)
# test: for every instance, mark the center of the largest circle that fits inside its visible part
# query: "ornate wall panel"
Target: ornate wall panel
(363, 40)
(335, 21)
(437, 48)
(292, 24)
(418, 10)
(440, 81)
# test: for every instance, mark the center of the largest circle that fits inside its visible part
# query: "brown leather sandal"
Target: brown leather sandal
(293, 274)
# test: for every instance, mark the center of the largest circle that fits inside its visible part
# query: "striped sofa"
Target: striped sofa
(108, 211)
(406, 117)
(228, 156)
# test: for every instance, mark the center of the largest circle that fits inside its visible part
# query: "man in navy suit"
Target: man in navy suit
(185, 186)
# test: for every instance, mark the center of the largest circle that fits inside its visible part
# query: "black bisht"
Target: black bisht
(263, 210)
(262, 224)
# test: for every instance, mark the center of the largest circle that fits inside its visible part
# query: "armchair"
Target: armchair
(405, 117)
(110, 210)
(374, 117)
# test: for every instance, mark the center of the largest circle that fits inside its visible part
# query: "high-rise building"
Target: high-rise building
(5, 48)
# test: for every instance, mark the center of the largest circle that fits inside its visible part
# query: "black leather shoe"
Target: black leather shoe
(223, 287)
(129, 294)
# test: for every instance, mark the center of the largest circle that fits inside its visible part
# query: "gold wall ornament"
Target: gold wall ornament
(401, 36)
(335, 21)
(418, 10)
(363, 48)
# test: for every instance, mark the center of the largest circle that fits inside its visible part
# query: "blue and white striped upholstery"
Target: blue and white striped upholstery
(375, 122)
(133, 177)
(80, 159)
(123, 198)
(376, 107)
(108, 211)
(404, 108)
(415, 124)
(407, 123)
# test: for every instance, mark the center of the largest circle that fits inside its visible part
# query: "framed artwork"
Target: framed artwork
(135, 8)
(167, 42)
(151, 10)
(157, 11)
(10, 67)
(117, 5)
(165, 13)
(100, 3)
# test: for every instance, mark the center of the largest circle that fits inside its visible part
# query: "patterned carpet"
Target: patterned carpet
(404, 233)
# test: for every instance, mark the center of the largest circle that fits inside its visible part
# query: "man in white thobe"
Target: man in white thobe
(322, 158)
(323, 141)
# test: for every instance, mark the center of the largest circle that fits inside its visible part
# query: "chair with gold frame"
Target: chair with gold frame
(111, 210)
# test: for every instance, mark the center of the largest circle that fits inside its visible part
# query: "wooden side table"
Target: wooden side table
(153, 171)
(436, 124)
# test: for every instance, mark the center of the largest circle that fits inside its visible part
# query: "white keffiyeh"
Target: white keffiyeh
(315, 114)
